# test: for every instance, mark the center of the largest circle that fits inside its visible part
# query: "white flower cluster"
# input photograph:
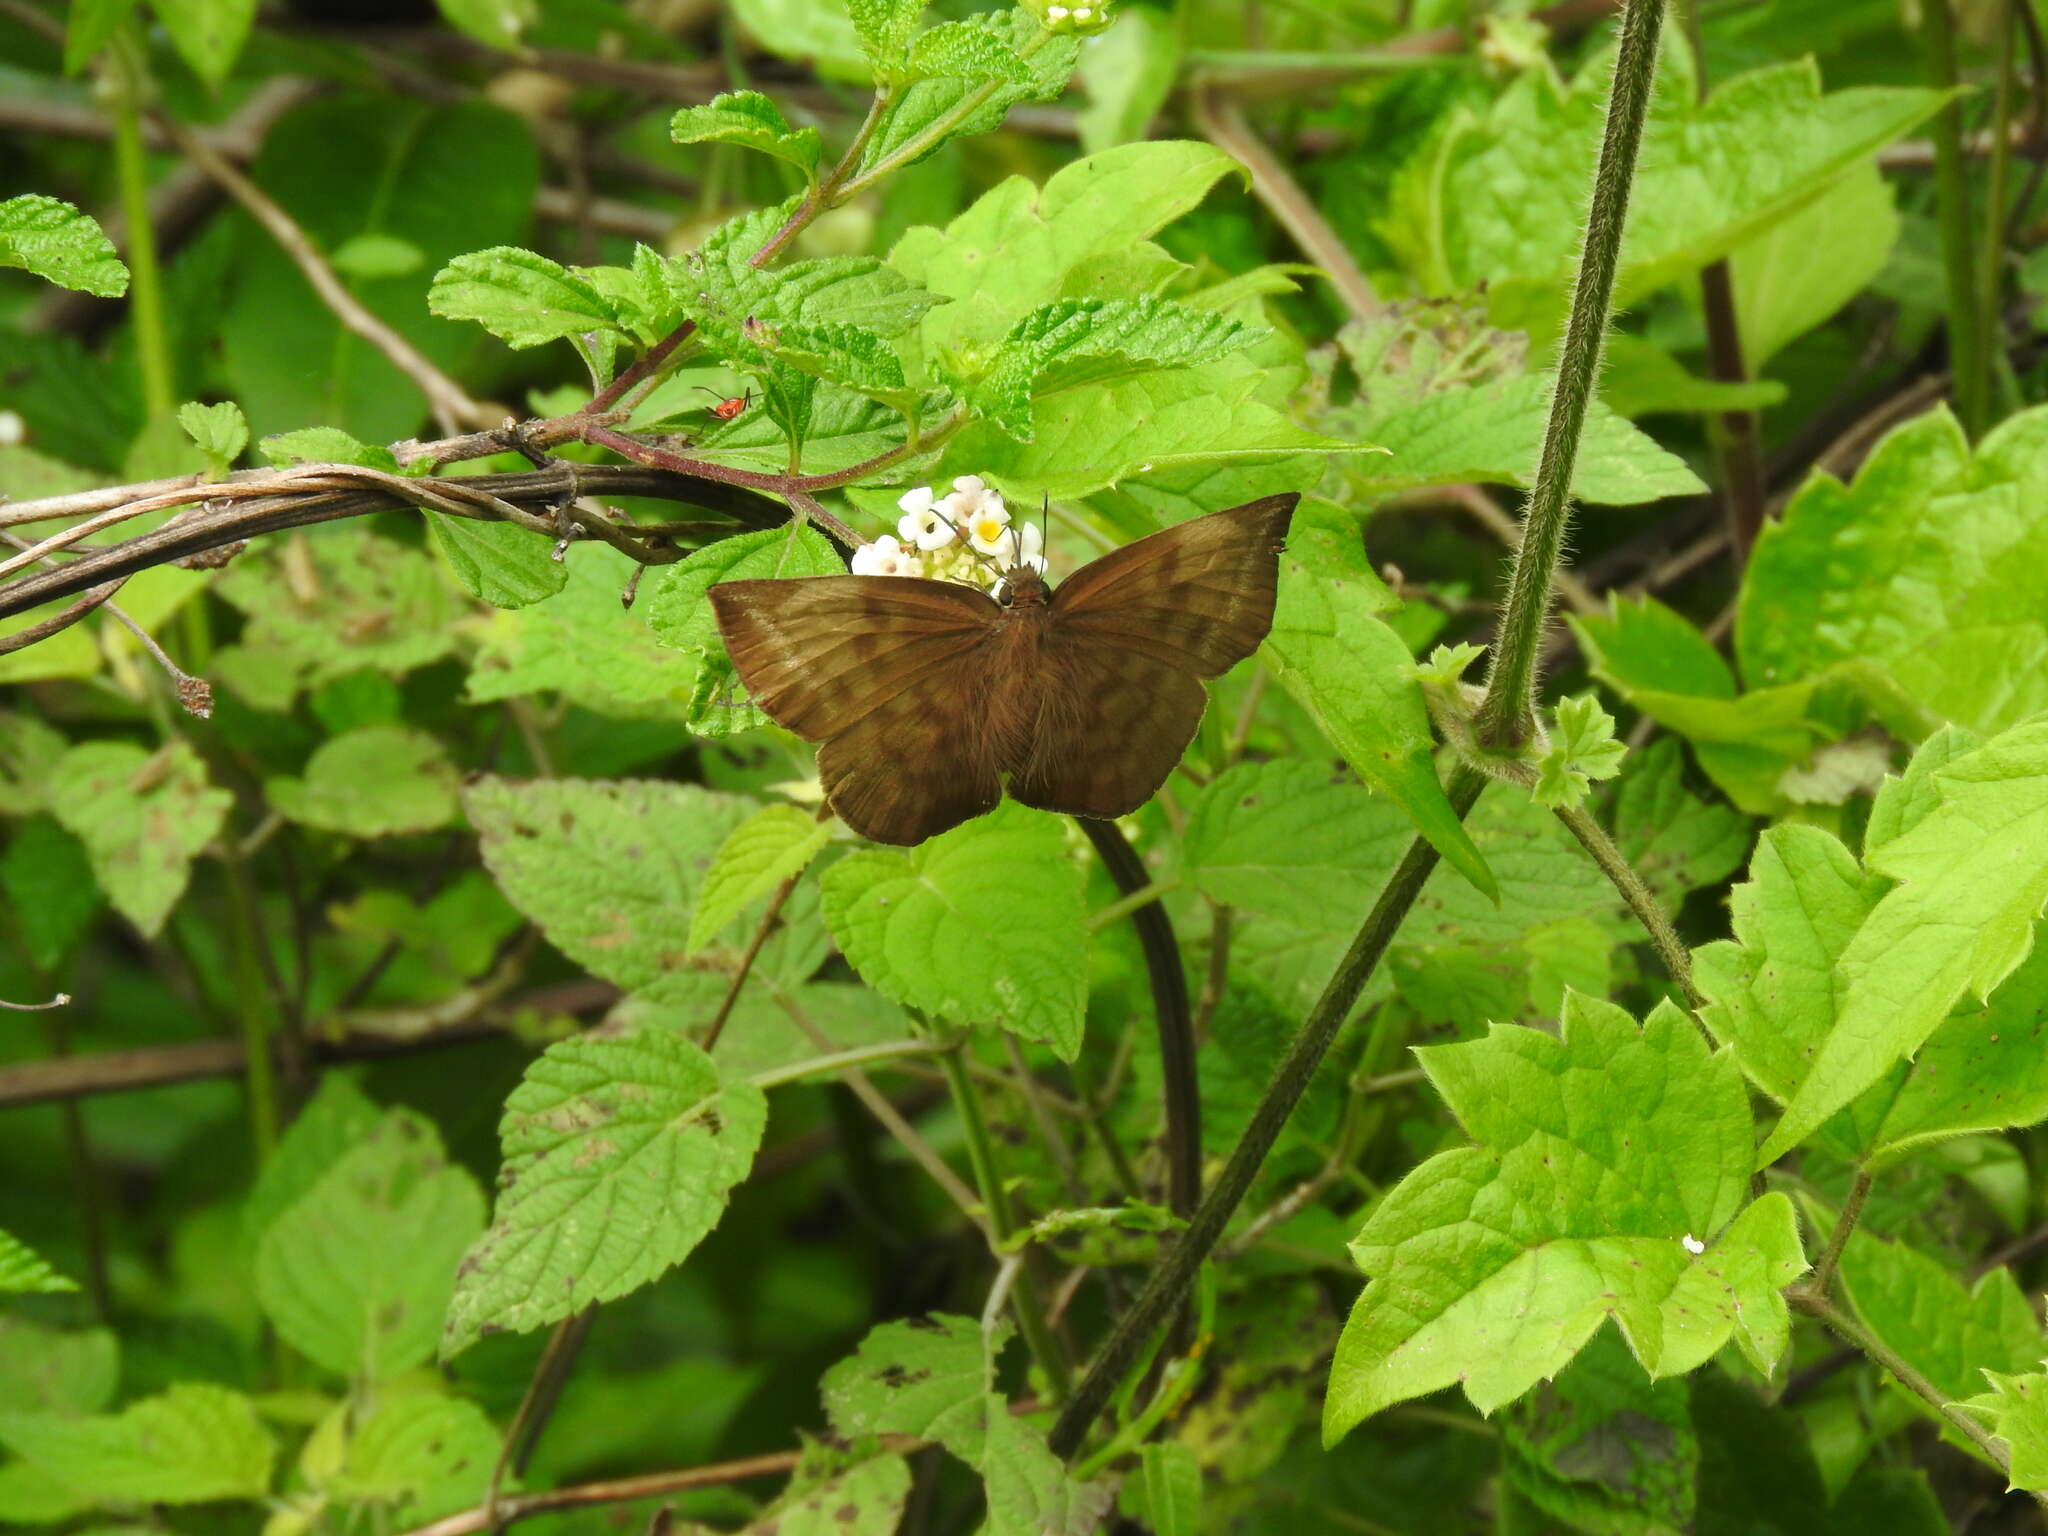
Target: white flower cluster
(942, 538)
(1081, 13)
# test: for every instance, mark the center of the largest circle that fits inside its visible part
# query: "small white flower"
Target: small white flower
(1055, 13)
(12, 429)
(886, 557)
(1083, 12)
(928, 528)
(988, 527)
(917, 499)
(1031, 544)
(1692, 1244)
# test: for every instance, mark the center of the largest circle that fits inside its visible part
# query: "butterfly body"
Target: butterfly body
(929, 698)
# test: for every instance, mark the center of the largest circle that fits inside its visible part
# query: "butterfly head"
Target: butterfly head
(1022, 586)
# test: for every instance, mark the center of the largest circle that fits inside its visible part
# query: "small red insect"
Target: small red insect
(726, 409)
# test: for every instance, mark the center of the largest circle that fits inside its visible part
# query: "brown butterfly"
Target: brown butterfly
(926, 695)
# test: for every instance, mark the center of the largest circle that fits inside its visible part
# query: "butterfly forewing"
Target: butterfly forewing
(1198, 596)
(818, 654)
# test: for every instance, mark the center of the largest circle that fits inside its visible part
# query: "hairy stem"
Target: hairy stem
(1845, 1223)
(1169, 1283)
(1641, 900)
(1508, 714)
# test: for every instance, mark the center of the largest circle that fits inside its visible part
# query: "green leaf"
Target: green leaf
(863, 1500)
(812, 33)
(769, 847)
(377, 781)
(884, 28)
(984, 924)
(1639, 378)
(619, 1157)
(1166, 1493)
(324, 603)
(1925, 567)
(23, 1272)
(1713, 175)
(1009, 253)
(208, 34)
(929, 113)
(608, 870)
(328, 445)
(91, 24)
(1602, 1156)
(965, 50)
(925, 1377)
(1799, 272)
(143, 818)
(494, 23)
(1096, 435)
(2017, 1409)
(356, 1273)
(47, 876)
(519, 297)
(1129, 72)
(344, 166)
(498, 563)
(1047, 350)
(1329, 649)
(29, 750)
(584, 644)
(1604, 1447)
(749, 119)
(1660, 663)
(930, 1377)
(44, 1370)
(1950, 1334)
(1493, 433)
(368, 257)
(1584, 749)
(420, 1453)
(55, 241)
(191, 1444)
(1675, 840)
(1973, 875)
(221, 431)
(336, 1118)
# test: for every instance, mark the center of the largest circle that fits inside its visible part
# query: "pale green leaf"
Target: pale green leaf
(208, 34)
(2017, 1408)
(356, 1274)
(48, 877)
(188, 1445)
(1584, 749)
(45, 1370)
(1166, 1491)
(55, 241)
(771, 846)
(965, 50)
(333, 1120)
(884, 28)
(143, 818)
(1950, 1333)
(1639, 378)
(750, 119)
(981, 925)
(924, 1377)
(521, 298)
(377, 781)
(1129, 72)
(929, 113)
(221, 431)
(608, 870)
(1599, 1154)
(1799, 272)
(865, 1499)
(1493, 433)
(421, 1454)
(326, 445)
(1973, 875)
(1332, 653)
(620, 1155)
(1926, 566)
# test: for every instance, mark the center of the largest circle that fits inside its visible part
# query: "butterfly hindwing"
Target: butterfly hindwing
(905, 771)
(1111, 725)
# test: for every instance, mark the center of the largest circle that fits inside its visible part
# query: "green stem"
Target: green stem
(1169, 1283)
(145, 282)
(1002, 1221)
(1845, 1223)
(1901, 1370)
(1641, 901)
(839, 1061)
(1128, 903)
(1967, 360)
(1507, 716)
(250, 987)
